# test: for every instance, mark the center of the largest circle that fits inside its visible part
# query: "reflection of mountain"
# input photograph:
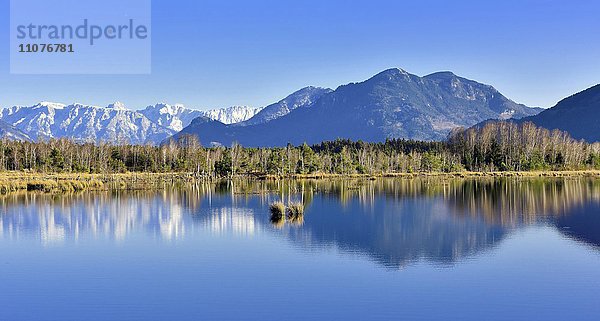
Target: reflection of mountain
(582, 224)
(397, 232)
(393, 222)
(399, 221)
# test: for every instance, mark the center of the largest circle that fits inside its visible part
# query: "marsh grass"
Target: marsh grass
(65, 182)
(277, 210)
(295, 213)
(280, 214)
(41, 185)
(48, 185)
(14, 181)
(279, 224)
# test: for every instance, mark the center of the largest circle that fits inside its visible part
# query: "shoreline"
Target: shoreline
(570, 173)
(14, 181)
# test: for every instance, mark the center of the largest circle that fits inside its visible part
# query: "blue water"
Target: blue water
(367, 250)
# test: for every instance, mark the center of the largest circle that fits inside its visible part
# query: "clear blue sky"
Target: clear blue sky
(220, 53)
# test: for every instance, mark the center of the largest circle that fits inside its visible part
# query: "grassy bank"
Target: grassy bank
(56, 183)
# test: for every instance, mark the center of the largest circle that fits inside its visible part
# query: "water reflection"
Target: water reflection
(582, 224)
(230, 220)
(55, 218)
(393, 222)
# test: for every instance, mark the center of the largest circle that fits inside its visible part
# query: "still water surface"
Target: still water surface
(507, 249)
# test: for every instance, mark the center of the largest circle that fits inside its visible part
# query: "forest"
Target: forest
(495, 146)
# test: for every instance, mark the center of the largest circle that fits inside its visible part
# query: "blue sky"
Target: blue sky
(209, 54)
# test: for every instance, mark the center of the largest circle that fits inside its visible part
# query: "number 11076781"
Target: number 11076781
(46, 47)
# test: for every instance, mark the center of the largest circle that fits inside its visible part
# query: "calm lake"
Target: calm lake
(389, 249)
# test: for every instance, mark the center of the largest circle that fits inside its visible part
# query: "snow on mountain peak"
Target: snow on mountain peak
(232, 115)
(85, 123)
(51, 105)
(176, 117)
(113, 123)
(164, 109)
(117, 106)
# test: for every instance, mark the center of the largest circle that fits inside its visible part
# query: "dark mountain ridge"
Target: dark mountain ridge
(391, 104)
(579, 115)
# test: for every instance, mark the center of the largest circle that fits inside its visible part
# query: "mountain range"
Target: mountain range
(392, 104)
(114, 123)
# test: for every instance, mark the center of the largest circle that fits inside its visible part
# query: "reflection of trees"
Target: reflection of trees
(230, 220)
(57, 217)
(168, 214)
(510, 202)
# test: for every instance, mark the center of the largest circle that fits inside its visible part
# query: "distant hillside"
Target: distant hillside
(579, 115)
(392, 104)
(301, 98)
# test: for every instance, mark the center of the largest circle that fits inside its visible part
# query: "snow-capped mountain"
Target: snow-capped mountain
(232, 115)
(177, 117)
(114, 123)
(85, 123)
(173, 117)
(7, 131)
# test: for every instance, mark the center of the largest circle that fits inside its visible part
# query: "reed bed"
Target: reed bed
(65, 182)
(277, 210)
(295, 213)
(281, 214)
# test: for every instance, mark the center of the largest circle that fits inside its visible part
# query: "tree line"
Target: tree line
(496, 146)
